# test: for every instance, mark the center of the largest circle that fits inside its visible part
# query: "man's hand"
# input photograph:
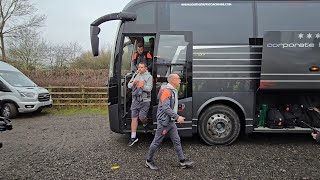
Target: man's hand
(181, 119)
(134, 81)
(140, 84)
(314, 135)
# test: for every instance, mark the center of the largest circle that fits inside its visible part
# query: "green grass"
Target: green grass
(77, 111)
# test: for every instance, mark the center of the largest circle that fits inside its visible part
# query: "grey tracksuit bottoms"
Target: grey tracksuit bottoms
(159, 136)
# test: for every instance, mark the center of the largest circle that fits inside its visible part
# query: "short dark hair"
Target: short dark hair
(140, 45)
(144, 63)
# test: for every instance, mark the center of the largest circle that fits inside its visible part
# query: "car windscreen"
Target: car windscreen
(16, 79)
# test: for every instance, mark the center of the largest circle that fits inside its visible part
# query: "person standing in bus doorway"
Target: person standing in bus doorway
(142, 56)
(166, 118)
(151, 42)
(316, 136)
(141, 85)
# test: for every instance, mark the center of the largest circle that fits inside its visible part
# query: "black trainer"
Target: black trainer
(132, 141)
(151, 165)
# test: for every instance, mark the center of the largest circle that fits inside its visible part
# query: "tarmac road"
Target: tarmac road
(83, 147)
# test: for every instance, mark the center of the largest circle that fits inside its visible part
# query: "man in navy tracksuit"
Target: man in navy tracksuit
(166, 118)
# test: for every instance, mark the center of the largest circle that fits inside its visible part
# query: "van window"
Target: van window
(16, 79)
(288, 15)
(3, 87)
(214, 23)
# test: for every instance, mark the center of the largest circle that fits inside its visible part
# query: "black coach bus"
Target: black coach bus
(241, 62)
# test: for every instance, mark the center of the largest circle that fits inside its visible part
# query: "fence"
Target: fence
(78, 95)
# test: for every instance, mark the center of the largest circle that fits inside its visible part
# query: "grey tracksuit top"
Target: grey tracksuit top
(145, 81)
(168, 105)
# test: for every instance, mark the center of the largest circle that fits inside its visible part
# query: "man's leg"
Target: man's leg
(143, 113)
(134, 125)
(175, 138)
(158, 138)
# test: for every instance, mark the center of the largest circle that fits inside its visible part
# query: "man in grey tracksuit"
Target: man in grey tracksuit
(141, 85)
(166, 118)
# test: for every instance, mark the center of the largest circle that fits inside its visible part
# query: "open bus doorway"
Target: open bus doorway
(131, 44)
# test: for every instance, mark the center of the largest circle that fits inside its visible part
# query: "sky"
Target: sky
(69, 20)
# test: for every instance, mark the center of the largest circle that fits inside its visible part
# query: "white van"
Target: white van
(18, 94)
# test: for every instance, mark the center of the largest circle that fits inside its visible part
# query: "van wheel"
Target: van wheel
(219, 124)
(9, 110)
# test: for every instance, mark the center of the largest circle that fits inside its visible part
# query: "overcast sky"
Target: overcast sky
(69, 20)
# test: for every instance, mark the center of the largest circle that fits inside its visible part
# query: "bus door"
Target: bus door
(127, 72)
(173, 54)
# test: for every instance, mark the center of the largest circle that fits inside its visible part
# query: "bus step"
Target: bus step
(283, 130)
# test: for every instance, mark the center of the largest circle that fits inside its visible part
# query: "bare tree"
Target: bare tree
(28, 48)
(87, 61)
(62, 55)
(17, 15)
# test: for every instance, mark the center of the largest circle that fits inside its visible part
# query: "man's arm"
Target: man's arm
(149, 64)
(130, 84)
(149, 60)
(148, 86)
(134, 59)
(166, 106)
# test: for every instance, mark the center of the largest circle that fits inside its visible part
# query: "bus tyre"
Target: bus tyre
(219, 124)
(9, 110)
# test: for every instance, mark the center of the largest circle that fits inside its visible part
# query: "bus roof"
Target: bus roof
(134, 2)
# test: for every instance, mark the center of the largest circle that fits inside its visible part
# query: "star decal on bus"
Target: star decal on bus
(318, 35)
(309, 36)
(301, 35)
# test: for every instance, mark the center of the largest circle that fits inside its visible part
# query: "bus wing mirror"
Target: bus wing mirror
(94, 31)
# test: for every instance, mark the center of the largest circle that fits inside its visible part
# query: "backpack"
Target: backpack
(289, 119)
(275, 120)
(314, 117)
(301, 115)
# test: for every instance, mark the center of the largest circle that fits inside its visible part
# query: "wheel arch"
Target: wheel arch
(235, 105)
(4, 101)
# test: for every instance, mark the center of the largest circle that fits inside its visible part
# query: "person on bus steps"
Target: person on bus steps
(142, 56)
(316, 136)
(151, 42)
(166, 118)
(141, 85)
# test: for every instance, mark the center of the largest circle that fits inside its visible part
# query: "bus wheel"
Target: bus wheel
(219, 124)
